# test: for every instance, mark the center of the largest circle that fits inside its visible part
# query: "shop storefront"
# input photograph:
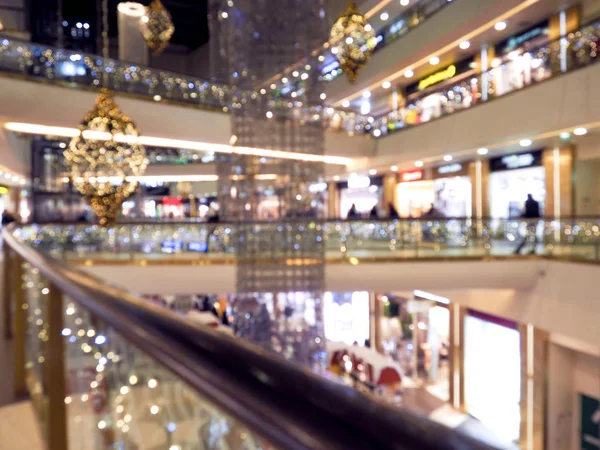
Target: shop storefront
(512, 178)
(443, 191)
(364, 192)
(492, 373)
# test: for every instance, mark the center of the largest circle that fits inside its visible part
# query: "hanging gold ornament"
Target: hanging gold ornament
(352, 40)
(157, 26)
(104, 158)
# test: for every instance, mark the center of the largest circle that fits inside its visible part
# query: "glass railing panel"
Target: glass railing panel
(403, 238)
(119, 397)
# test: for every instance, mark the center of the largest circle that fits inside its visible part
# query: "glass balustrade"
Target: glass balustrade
(342, 239)
(106, 369)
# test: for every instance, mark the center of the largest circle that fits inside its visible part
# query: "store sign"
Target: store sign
(437, 77)
(516, 161)
(450, 168)
(589, 425)
(171, 201)
(3, 190)
(413, 175)
(356, 181)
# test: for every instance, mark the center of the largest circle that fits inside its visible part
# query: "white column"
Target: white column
(132, 46)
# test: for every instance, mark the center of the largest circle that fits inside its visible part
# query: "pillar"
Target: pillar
(456, 357)
(558, 164)
(534, 361)
(132, 46)
(375, 314)
(333, 201)
(390, 183)
(479, 173)
(565, 21)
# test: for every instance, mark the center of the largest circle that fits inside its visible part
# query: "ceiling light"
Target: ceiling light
(448, 158)
(372, 172)
(496, 62)
(482, 151)
(304, 76)
(295, 73)
(377, 133)
(565, 135)
(434, 60)
(404, 2)
(368, 27)
(394, 168)
(284, 80)
(157, 98)
(224, 15)
(321, 58)
(418, 163)
(500, 26)
(580, 131)
(366, 94)
(386, 85)
(408, 74)
(345, 103)
(151, 141)
(323, 96)
(464, 45)
(336, 178)
(384, 16)
(269, 115)
(525, 142)
(273, 86)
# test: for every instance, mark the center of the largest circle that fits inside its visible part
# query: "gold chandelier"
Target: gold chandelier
(352, 40)
(157, 26)
(106, 158)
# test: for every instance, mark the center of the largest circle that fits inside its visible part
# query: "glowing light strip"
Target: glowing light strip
(425, 61)
(176, 143)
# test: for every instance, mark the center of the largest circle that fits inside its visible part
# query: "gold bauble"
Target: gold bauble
(352, 40)
(106, 158)
(157, 26)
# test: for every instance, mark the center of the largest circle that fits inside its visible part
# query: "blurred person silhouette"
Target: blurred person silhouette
(374, 214)
(393, 212)
(353, 213)
(531, 213)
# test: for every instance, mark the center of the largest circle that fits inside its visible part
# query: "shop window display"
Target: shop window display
(493, 376)
(416, 335)
(509, 190)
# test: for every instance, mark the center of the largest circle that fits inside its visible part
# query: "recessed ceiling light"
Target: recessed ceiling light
(345, 103)
(580, 131)
(384, 16)
(408, 74)
(482, 151)
(448, 158)
(419, 163)
(404, 2)
(366, 94)
(464, 45)
(434, 60)
(394, 168)
(323, 96)
(372, 172)
(525, 142)
(386, 85)
(500, 26)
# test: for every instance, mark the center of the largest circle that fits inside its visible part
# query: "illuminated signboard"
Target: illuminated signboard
(413, 175)
(437, 77)
(516, 161)
(450, 168)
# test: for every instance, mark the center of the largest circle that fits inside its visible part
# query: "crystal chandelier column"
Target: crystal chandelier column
(280, 272)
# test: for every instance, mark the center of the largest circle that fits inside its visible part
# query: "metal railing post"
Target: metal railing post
(20, 325)
(54, 371)
(6, 294)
